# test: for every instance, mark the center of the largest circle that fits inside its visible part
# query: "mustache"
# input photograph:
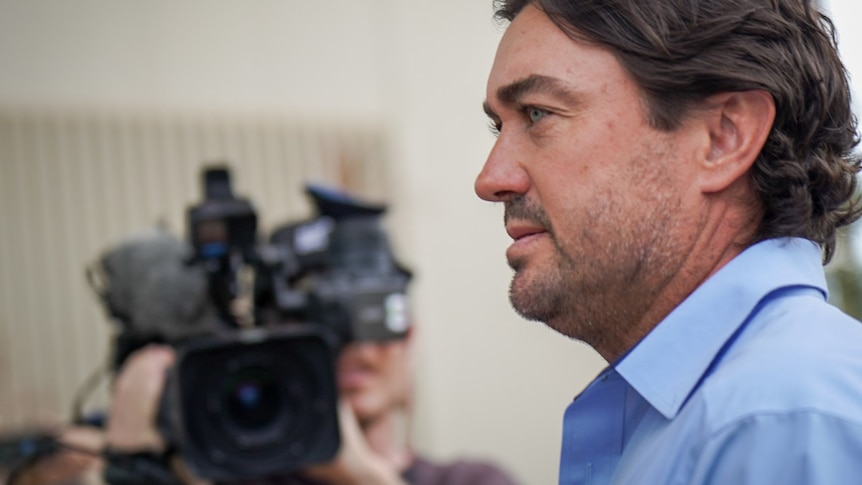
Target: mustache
(519, 207)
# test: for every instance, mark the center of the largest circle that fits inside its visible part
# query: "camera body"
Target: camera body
(253, 391)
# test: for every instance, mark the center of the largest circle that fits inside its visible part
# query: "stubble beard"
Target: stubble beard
(599, 293)
(539, 298)
(548, 294)
(554, 297)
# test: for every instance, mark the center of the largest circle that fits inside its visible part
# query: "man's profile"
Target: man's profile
(673, 176)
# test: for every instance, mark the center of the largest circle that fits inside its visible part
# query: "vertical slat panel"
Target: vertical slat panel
(87, 337)
(290, 151)
(50, 249)
(73, 184)
(40, 383)
(9, 281)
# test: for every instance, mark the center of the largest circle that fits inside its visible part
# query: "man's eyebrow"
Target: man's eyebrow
(512, 93)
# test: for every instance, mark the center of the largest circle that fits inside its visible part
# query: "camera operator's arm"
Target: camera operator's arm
(73, 458)
(131, 427)
(356, 463)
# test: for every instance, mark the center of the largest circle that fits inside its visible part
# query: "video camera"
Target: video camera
(256, 327)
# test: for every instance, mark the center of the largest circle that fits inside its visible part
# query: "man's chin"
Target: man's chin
(530, 308)
(531, 301)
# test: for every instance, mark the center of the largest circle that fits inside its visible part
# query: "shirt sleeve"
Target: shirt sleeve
(800, 448)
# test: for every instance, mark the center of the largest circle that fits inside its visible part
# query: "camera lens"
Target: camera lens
(250, 407)
(253, 398)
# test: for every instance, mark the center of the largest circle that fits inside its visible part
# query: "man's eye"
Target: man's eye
(535, 114)
(494, 127)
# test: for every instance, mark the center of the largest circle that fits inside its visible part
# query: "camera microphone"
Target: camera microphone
(149, 288)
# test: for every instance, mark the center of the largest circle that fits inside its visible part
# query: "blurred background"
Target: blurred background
(109, 108)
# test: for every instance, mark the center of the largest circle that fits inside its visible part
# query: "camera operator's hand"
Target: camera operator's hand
(356, 463)
(135, 401)
(134, 406)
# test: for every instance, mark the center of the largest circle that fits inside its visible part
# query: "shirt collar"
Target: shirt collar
(667, 364)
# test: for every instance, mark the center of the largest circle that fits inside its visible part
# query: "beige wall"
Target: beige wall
(489, 384)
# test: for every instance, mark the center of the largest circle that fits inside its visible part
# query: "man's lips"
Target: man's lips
(519, 231)
(525, 235)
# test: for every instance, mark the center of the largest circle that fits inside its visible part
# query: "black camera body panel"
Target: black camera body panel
(254, 402)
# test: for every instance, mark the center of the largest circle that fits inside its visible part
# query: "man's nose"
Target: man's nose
(502, 176)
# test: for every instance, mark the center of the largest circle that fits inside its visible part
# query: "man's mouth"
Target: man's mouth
(525, 236)
(518, 231)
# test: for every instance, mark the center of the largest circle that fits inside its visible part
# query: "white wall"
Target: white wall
(846, 15)
(489, 385)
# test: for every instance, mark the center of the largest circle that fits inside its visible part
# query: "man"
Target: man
(673, 174)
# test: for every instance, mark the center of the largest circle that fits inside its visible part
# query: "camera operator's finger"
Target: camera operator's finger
(135, 400)
(356, 463)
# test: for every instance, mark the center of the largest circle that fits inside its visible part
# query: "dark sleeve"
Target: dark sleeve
(461, 472)
(274, 480)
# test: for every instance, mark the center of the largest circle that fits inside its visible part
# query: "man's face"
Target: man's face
(598, 203)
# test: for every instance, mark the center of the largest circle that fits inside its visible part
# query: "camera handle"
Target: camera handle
(143, 468)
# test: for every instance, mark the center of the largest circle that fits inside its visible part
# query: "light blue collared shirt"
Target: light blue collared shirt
(753, 379)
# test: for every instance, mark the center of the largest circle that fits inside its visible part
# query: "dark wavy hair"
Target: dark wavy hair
(682, 51)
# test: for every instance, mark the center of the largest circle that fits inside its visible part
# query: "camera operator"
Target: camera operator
(298, 374)
(374, 380)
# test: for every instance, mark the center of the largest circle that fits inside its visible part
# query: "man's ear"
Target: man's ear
(739, 123)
